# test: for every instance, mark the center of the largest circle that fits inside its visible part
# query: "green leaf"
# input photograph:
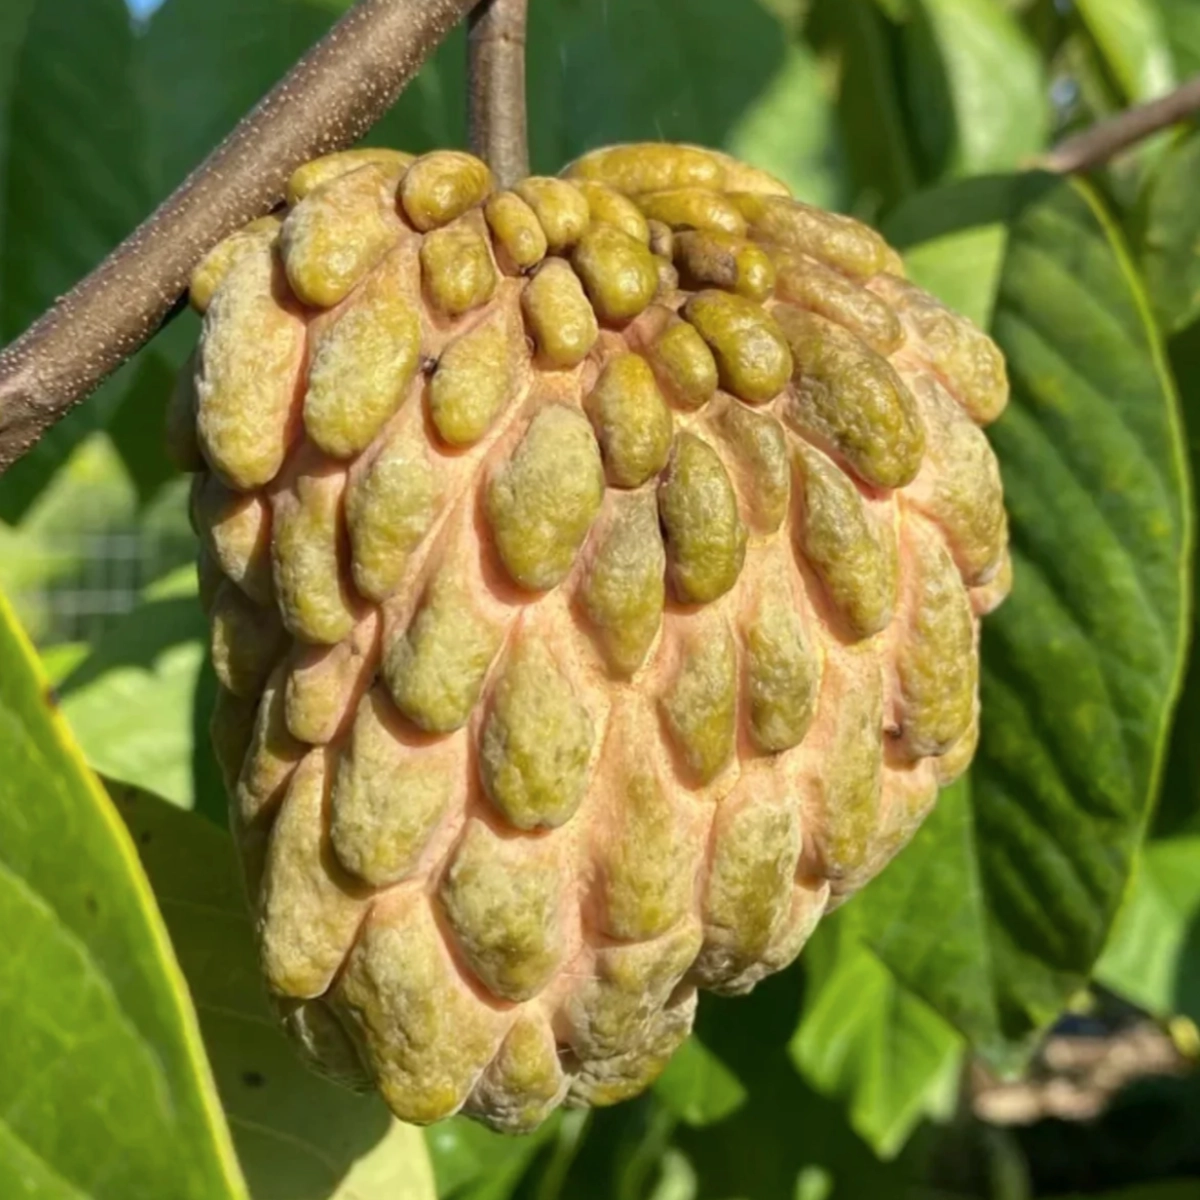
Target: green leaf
(867, 1039)
(1153, 955)
(1181, 19)
(978, 93)
(998, 910)
(104, 1088)
(855, 40)
(73, 181)
(1168, 234)
(130, 701)
(1132, 37)
(698, 1087)
(298, 1136)
(790, 130)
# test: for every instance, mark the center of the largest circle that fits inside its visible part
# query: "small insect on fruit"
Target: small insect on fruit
(595, 571)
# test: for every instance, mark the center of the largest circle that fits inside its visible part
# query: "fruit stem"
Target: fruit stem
(326, 102)
(496, 71)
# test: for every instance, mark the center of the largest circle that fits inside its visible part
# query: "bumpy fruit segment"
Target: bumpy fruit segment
(595, 571)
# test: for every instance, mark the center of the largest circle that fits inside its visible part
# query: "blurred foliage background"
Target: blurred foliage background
(1045, 927)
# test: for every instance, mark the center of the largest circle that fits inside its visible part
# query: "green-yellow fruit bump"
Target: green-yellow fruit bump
(838, 240)
(612, 1012)
(810, 284)
(246, 640)
(561, 209)
(536, 741)
(649, 865)
(362, 364)
(561, 320)
(753, 359)
(712, 258)
(250, 356)
(337, 233)
(624, 589)
(854, 557)
(684, 364)
(457, 267)
(435, 671)
(525, 1080)
(311, 909)
(701, 704)
(390, 507)
(386, 804)
(762, 463)
(473, 381)
(542, 502)
(935, 663)
(516, 228)
(632, 423)
(618, 272)
(706, 540)
(749, 890)
(502, 897)
(429, 1037)
(612, 208)
(849, 787)
(441, 186)
(693, 208)
(847, 395)
(312, 175)
(963, 354)
(310, 577)
(783, 674)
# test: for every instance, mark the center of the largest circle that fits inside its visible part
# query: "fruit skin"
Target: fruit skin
(595, 572)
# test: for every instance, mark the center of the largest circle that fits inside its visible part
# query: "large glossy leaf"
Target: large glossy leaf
(1132, 37)
(1001, 906)
(297, 1136)
(865, 1038)
(698, 1087)
(104, 1088)
(129, 702)
(73, 180)
(1153, 956)
(977, 89)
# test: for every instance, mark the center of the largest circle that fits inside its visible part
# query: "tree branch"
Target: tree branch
(1106, 139)
(328, 100)
(496, 112)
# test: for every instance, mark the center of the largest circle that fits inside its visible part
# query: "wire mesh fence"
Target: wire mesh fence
(72, 588)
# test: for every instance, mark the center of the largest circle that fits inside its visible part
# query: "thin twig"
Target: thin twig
(1106, 139)
(326, 102)
(496, 116)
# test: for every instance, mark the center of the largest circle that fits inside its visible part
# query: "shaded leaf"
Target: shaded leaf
(130, 701)
(298, 1136)
(1153, 955)
(1168, 234)
(697, 1087)
(1132, 37)
(105, 1090)
(999, 909)
(73, 182)
(868, 1040)
(978, 93)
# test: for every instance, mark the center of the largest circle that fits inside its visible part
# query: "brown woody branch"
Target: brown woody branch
(1106, 139)
(326, 102)
(496, 103)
